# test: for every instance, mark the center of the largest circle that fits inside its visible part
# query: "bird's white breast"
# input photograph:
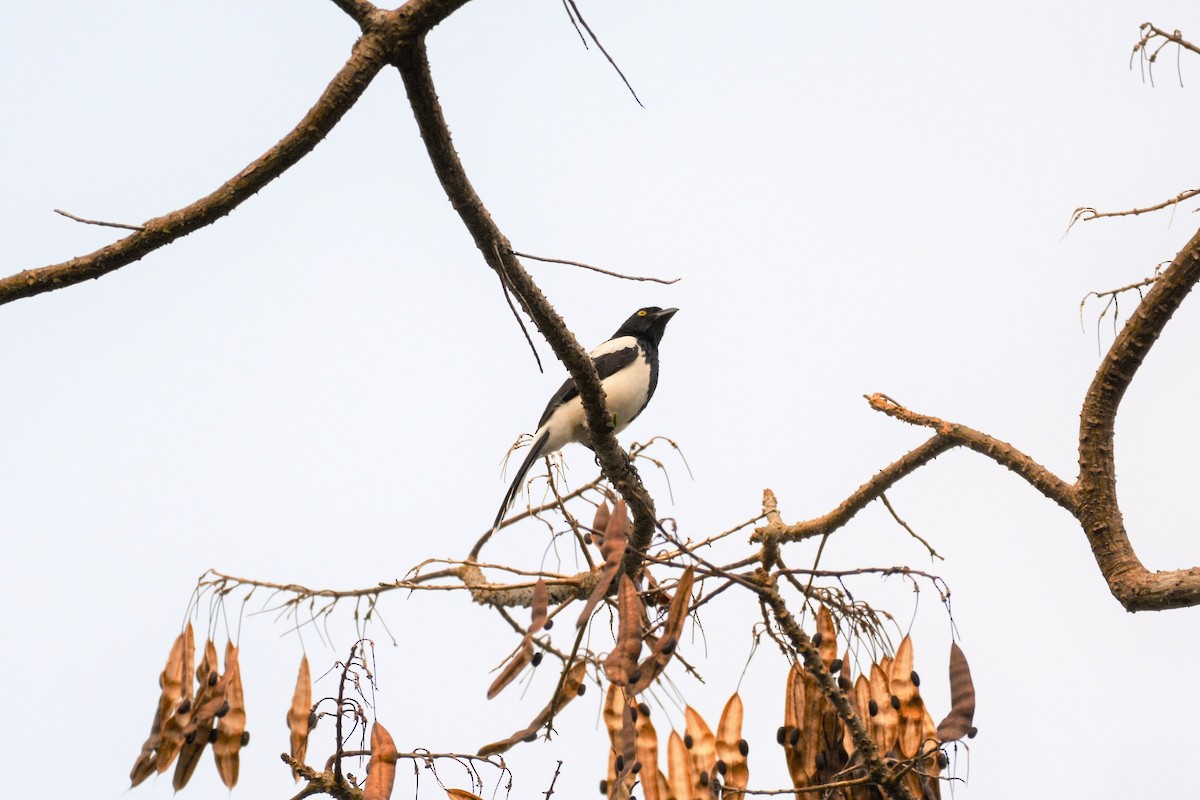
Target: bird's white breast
(624, 392)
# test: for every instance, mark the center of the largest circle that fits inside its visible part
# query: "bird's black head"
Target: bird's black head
(647, 324)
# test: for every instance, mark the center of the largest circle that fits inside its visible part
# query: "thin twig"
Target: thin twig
(1085, 214)
(596, 269)
(592, 33)
(508, 299)
(99, 222)
(887, 504)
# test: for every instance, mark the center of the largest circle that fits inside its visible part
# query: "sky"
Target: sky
(319, 389)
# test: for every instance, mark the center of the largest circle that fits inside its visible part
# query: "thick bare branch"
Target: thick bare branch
(1002, 453)
(496, 250)
(1130, 582)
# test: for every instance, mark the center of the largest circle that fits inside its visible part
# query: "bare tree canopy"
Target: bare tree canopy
(312, 390)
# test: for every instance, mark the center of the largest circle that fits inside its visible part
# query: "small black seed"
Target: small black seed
(669, 646)
(972, 731)
(721, 768)
(872, 707)
(794, 739)
(312, 720)
(537, 658)
(895, 702)
(245, 738)
(843, 683)
(704, 779)
(637, 767)
(185, 706)
(942, 760)
(191, 737)
(620, 765)
(212, 736)
(633, 712)
(212, 678)
(634, 677)
(587, 539)
(688, 741)
(579, 692)
(603, 786)
(817, 639)
(780, 734)
(644, 709)
(548, 624)
(836, 666)
(743, 747)
(223, 710)
(916, 679)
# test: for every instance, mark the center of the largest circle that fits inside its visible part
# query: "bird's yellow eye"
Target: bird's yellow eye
(642, 313)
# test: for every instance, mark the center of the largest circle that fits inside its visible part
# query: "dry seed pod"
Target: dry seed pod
(210, 703)
(458, 794)
(381, 769)
(512, 669)
(622, 661)
(828, 633)
(811, 736)
(793, 708)
(910, 707)
(703, 750)
(730, 744)
(860, 699)
(600, 521)
(679, 768)
(664, 647)
(616, 539)
(962, 698)
(886, 722)
(232, 725)
(571, 688)
(297, 716)
(647, 755)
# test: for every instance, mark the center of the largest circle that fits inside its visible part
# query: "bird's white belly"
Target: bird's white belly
(624, 396)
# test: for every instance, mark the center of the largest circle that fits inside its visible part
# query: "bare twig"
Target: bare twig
(1085, 213)
(597, 269)
(99, 222)
(591, 33)
(888, 505)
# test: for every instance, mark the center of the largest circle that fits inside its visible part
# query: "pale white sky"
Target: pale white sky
(318, 389)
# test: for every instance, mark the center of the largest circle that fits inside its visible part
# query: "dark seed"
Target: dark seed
(916, 679)
(721, 768)
(579, 692)
(603, 786)
(620, 765)
(223, 710)
(704, 779)
(312, 720)
(587, 539)
(670, 645)
(895, 702)
(212, 736)
(942, 760)
(212, 679)
(817, 639)
(836, 666)
(245, 738)
(633, 712)
(185, 706)
(972, 731)
(794, 739)
(634, 677)
(548, 624)
(191, 737)
(872, 707)
(843, 683)
(537, 658)
(688, 741)
(637, 767)
(780, 734)
(743, 747)
(644, 709)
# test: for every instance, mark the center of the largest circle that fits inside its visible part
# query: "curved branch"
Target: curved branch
(496, 249)
(879, 483)
(1002, 453)
(1130, 582)
(365, 62)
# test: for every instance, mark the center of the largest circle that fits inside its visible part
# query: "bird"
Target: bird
(628, 368)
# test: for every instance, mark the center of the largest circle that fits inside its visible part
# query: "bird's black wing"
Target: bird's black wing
(607, 365)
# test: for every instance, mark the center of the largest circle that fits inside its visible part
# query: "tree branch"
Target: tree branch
(496, 250)
(1130, 582)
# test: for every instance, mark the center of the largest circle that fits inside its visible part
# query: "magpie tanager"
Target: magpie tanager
(628, 368)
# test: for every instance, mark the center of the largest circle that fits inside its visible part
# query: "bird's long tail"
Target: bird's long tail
(535, 452)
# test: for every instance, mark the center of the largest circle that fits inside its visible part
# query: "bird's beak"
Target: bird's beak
(665, 314)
